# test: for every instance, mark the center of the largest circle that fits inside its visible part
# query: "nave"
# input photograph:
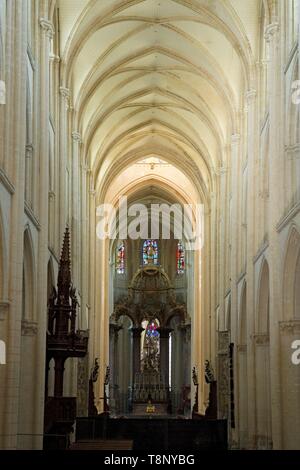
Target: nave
(167, 103)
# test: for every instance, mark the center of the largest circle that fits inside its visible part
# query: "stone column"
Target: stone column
(186, 352)
(235, 191)
(252, 150)
(83, 321)
(63, 150)
(233, 264)
(276, 210)
(136, 350)
(164, 335)
(114, 366)
(93, 324)
(241, 398)
(76, 209)
(28, 174)
(222, 242)
(47, 32)
(75, 239)
(13, 168)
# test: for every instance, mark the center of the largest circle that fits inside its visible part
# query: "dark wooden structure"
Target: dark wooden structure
(155, 433)
(63, 341)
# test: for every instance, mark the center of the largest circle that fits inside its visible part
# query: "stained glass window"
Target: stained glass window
(150, 346)
(120, 258)
(150, 252)
(180, 258)
(152, 330)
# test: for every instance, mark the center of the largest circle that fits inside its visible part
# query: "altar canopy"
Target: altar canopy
(146, 323)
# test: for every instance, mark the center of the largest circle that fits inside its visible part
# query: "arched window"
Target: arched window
(180, 258)
(120, 258)
(150, 252)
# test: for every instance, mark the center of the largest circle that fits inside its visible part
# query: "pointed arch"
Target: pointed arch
(264, 21)
(290, 373)
(291, 276)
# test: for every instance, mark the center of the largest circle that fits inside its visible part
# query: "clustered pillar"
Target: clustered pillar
(136, 349)
(164, 353)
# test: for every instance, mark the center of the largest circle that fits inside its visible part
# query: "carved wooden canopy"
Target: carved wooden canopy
(150, 295)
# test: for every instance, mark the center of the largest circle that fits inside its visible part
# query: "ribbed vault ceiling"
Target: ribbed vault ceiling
(157, 78)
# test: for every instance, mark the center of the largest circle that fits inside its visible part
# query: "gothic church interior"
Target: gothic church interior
(176, 102)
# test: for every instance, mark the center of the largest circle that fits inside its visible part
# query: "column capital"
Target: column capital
(260, 338)
(264, 63)
(54, 58)
(47, 27)
(222, 170)
(270, 30)
(64, 92)
(29, 328)
(4, 306)
(86, 168)
(76, 137)
(29, 150)
(235, 138)
(290, 327)
(241, 348)
(250, 95)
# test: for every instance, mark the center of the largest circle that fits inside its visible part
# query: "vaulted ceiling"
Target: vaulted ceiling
(158, 78)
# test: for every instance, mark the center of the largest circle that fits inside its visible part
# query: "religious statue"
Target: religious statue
(106, 383)
(211, 410)
(195, 376)
(196, 383)
(150, 253)
(209, 373)
(92, 411)
(95, 371)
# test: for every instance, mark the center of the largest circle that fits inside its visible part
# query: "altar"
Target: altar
(149, 345)
(150, 394)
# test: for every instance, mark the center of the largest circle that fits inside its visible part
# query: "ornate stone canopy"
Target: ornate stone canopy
(150, 295)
